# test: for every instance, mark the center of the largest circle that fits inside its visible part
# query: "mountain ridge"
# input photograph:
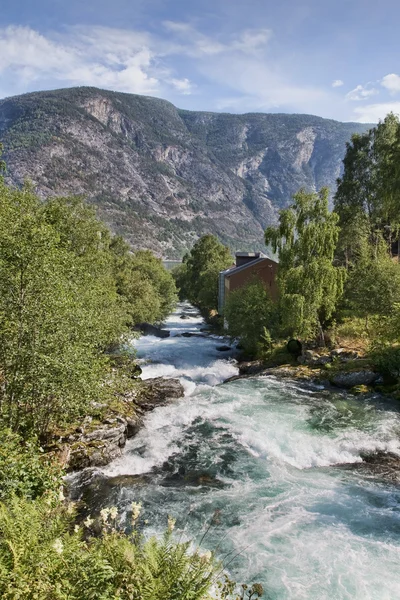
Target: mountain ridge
(162, 176)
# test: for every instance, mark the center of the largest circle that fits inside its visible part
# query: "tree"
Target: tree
(373, 284)
(368, 193)
(58, 311)
(151, 267)
(198, 276)
(2, 163)
(250, 313)
(142, 280)
(310, 285)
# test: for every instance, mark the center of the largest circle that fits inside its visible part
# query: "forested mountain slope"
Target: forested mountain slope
(161, 176)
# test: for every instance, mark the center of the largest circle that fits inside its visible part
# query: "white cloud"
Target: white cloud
(95, 56)
(337, 83)
(184, 86)
(250, 79)
(196, 44)
(227, 72)
(391, 82)
(372, 113)
(361, 93)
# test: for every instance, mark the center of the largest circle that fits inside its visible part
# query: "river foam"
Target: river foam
(266, 455)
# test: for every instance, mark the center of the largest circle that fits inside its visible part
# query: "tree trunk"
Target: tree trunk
(321, 335)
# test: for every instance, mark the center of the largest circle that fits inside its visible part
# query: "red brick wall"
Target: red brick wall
(265, 271)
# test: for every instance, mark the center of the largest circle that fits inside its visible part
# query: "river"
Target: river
(265, 455)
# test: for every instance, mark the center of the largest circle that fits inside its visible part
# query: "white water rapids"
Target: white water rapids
(264, 454)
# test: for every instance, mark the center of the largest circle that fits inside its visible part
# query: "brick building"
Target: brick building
(248, 266)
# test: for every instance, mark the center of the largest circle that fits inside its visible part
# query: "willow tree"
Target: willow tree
(309, 283)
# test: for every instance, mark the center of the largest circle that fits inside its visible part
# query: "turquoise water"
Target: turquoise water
(265, 455)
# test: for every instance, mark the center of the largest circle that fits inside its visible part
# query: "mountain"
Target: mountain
(161, 176)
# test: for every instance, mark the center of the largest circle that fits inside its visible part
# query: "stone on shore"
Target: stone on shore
(96, 445)
(354, 378)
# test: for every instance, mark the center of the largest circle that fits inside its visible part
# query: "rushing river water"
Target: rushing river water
(264, 454)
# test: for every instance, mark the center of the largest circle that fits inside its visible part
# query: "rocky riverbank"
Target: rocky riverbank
(99, 439)
(340, 368)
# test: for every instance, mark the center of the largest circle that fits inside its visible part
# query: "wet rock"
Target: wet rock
(189, 334)
(354, 378)
(385, 465)
(96, 445)
(251, 367)
(223, 348)
(148, 329)
(158, 391)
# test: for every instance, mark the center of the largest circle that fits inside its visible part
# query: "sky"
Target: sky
(338, 59)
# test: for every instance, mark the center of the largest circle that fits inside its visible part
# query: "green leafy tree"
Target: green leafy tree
(143, 300)
(143, 281)
(373, 285)
(250, 314)
(368, 193)
(57, 312)
(310, 285)
(198, 276)
(2, 163)
(151, 267)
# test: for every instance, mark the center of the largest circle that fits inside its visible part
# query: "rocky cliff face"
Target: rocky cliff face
(161, 176)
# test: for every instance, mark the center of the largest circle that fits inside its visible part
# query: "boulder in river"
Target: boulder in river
(148, 329)
(157, 392)
(189, 334)
(223, 348)
(384, 465)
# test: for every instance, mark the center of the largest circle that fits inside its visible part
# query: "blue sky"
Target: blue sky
(338, 59)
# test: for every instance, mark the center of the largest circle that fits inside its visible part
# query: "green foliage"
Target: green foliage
(151, 267)
(148, 288)
(2, 163)
(386, 360)
(58, 308)
(25, 471)
(67, 291)
(197, 277)
(368, 193)
(310, 285)
(43, 556)
(373, 284)
(250, 314)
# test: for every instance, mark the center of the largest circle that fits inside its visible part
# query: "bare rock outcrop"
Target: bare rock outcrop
(96, 443)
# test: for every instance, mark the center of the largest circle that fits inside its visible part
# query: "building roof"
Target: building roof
(233, 270)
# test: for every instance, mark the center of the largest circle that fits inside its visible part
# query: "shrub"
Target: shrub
(387, 361)
(44, 556)
(250, 314)
(25, 471)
